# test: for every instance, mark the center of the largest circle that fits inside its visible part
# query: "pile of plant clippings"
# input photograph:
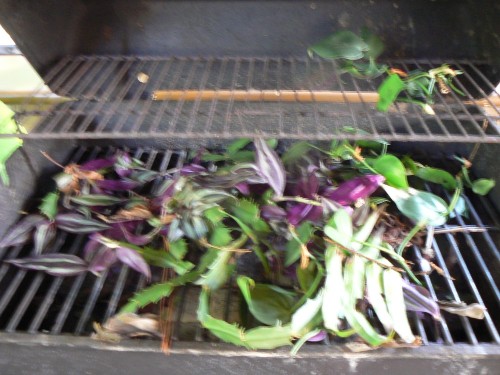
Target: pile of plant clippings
(329, 228)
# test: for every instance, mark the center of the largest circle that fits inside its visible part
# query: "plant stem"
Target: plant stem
(298, 199)
(409, 236)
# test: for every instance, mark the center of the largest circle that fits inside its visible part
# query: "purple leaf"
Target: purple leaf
(134, 260)
(308, 186)
(123, 165)
(350, 191)
(190, 169)
(243, 188)
(104, 259)
(419, 299)
(302, 211)
(53, 264)
(97, 164)
(20, 233)
(76, 223)
(318, 337)
(270, 212)
(91, 246)
(269, 166)
(139, 240)
(44, 234)
(117, 185)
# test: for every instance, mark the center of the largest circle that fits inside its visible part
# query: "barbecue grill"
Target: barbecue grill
(157, 78)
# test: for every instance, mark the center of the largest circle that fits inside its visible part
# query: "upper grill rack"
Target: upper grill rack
(224, 98)
(34, 302)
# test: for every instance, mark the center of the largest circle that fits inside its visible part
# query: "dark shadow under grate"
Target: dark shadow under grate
(34, 302)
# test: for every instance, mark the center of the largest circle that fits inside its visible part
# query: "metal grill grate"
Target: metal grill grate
(34, 302)
(220, 98)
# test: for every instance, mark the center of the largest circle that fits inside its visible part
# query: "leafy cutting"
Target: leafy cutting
(357, 56)
(323, 262)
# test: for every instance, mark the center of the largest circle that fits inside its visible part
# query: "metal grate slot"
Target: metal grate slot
(223, 98)
(33, 302)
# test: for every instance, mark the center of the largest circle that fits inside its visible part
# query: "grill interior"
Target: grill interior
(159, 76)
(34, 302)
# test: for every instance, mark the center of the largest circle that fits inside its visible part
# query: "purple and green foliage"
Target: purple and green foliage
(307, 217)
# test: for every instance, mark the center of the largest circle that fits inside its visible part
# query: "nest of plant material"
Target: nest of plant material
(325, 229)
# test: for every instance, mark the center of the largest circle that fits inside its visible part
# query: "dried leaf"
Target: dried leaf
(474, 310)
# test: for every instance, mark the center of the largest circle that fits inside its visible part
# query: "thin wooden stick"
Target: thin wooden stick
(305, 96)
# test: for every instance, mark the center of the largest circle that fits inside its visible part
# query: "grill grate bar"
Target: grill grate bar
(452, 288)
(430, 287)
(470, 281)
(492, 87)
(113, 102)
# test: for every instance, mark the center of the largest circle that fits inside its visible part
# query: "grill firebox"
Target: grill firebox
(160, 78)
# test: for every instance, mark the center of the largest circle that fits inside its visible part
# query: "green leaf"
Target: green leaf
(7, 145)
(392, 169)
(342, 44)
(306, 313)
(437, 176)
(161, 258)
(178, 248)
(156, 292)
(393, 291)
(374, 43)
(334, 289)
(96, 200)
(48, 207)
(483, 186)
(220, 236)
(237, 145)
(389, 91)
(257, 338)
(339, 228)
(268, 337)
(420, 206)
(306, 276)
(218, 272)
(246, 210)
(353, 278)
(295, 152)
(292, 252)
(214, 214)
(269, 304)
(374, 294)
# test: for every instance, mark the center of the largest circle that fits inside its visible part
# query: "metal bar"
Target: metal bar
(448, 339)
(419, 115)
(493, 88)
(479, 258)
(50, 295)
(462, 106)
(472, 286)
(451, 287)
(33, 288)
(105, 96)
(229, 109)
(116, 105)
(213, 104)
(164, 107)
(197, 101)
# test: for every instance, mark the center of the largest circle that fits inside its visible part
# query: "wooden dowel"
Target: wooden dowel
(305, 96)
